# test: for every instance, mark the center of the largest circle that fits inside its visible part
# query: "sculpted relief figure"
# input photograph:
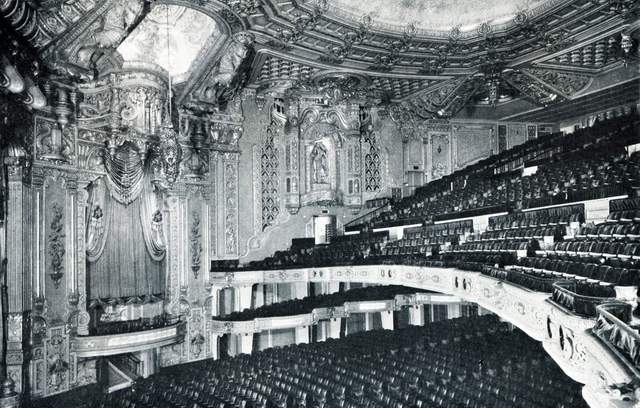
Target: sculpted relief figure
(222, 82)
(319, 165)
(112, 29)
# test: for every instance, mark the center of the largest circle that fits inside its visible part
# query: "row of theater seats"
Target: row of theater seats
(599, 170)
(444, 364)
(610, 231)
(343, 250)
(425, 241)
(307, 304)
(549, 217)
(496, 247)
(591, 251)
(571, 269)
(524, 233)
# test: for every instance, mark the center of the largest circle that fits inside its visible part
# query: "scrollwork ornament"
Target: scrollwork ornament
(57, 244)
(196, 244)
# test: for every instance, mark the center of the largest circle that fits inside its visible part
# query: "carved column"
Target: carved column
(416, 315)
(333, 328)
(387, 320)
(18, 275)
(230, 196)
(82, 198)
(174, 255)
(302, 335)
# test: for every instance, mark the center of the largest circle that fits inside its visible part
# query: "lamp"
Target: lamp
(169, 150)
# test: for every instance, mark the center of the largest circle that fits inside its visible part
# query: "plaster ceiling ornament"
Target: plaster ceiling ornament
(395, 47)
(337, 54)
(244, 8)
(302, 22)
(231, 72)
(567, 83)
(532, 89)
(106, 33)
(432, 15)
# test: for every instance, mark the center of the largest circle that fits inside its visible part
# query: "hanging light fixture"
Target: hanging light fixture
(170, 152)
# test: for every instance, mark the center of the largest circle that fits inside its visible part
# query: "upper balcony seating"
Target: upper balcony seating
(426, 241)
(588, 171)
(347, 249)
(546, 217)
(624, 218)
(522, 233)
(614, 253)
(503, 246)
(568, 269)
(448, 363)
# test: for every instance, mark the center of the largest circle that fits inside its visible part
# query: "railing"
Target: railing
(472, 212)
(564, 294)
(533, 282)
(612, 328)
(356, 223)
(108, 345)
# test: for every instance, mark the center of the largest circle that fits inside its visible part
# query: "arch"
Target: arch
(212, 10)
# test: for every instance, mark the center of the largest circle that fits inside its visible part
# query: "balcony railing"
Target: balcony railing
(612, 328)
(564, 294)
(529, 281)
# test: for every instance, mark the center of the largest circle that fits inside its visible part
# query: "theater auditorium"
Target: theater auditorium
(319, 203)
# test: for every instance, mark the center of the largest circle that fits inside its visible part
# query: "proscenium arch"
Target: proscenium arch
(581, 356)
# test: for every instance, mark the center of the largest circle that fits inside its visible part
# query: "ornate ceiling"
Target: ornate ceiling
(434, 15)
(432, 57)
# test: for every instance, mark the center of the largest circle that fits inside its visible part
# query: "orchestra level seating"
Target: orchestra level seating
(444, 364)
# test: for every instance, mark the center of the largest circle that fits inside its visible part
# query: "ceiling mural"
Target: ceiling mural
(170, 36)
(433, 15)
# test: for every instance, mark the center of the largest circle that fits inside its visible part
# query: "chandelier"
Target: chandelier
(168, 151)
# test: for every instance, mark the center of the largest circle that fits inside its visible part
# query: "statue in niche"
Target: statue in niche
(319, 168)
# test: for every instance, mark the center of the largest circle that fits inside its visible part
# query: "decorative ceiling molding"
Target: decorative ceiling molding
(314, 33)
(546, 53)
(533, 89)
(566, 83)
